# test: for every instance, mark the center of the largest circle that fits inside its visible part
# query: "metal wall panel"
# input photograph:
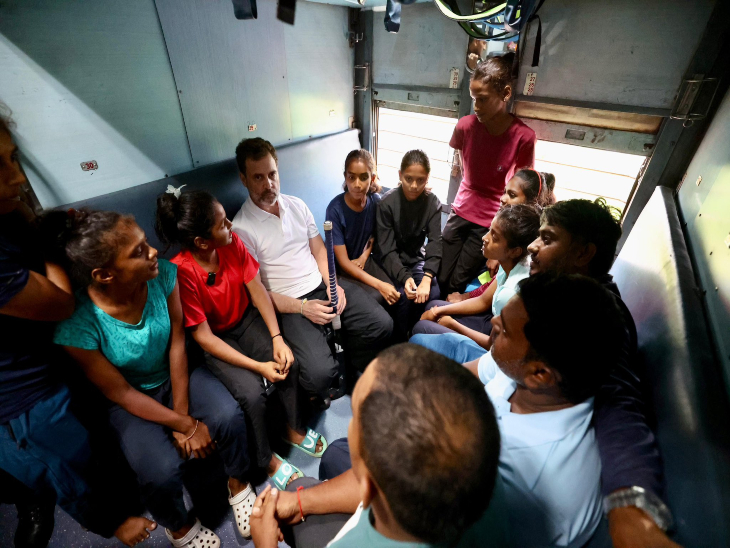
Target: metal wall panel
(231, 74)
(422, 53)
(90, 80)
(706, 210)
(319, 70)
(621, 52)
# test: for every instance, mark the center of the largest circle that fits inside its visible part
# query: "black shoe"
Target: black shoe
(35, 524)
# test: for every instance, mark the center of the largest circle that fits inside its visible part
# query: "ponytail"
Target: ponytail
(182, 217)
(538, 186)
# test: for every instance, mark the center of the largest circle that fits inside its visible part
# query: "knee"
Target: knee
(158, 469)
(336, 460)
(316, 378)
(228, 420)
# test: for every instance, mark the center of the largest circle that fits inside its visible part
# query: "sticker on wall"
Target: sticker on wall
(89, 166)
(454, 80)
(530, 83)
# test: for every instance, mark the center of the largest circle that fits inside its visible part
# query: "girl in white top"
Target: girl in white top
(513, 229)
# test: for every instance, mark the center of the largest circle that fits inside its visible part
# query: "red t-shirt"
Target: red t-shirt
(489, 161)
(224, 302)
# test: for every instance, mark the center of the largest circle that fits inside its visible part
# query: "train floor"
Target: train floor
(68, 534)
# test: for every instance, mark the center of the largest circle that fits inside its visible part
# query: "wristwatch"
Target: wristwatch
(642, 499)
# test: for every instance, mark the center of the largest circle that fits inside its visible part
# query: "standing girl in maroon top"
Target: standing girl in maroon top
(492, 144)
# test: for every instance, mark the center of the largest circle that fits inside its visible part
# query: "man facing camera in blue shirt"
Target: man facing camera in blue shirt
(553, 345)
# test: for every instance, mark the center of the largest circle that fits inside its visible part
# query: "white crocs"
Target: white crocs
(242, 507)
(197, 537)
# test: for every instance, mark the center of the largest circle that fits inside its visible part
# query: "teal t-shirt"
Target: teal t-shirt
(490, 531)
(139, 350)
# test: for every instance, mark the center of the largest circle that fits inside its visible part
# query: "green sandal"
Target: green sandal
(284, 473)
(309, 444)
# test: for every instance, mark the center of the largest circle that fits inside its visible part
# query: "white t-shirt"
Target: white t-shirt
(281, 245)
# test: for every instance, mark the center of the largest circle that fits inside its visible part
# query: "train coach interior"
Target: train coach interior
(114, 101)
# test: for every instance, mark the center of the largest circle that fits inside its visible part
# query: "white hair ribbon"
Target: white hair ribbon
(172, 190)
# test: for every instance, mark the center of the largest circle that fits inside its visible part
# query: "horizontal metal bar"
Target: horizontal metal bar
(424, 89)
(421, 109)
(649, 111)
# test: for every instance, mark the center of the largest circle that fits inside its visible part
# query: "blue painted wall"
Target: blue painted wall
(706, 210)
(292, 82)
(90, 80)
(423, 51)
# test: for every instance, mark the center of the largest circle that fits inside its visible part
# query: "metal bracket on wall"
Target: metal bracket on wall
(695, 98)
(355, 37)
(362, 77)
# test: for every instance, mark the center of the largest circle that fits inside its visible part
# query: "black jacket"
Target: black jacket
(401, 229)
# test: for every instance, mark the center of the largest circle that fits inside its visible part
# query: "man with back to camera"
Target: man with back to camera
(423, 467)
(280, 232)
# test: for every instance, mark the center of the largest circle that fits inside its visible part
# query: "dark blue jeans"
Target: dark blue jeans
(150, 452)
(47, 449)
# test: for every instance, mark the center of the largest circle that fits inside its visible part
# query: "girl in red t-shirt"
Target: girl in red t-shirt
(492, 144)
(230, 315)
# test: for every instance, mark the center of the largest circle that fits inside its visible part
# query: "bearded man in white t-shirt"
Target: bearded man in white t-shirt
(280, 232)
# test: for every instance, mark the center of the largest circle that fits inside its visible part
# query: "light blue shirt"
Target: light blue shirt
(507, 284)
(550, 467)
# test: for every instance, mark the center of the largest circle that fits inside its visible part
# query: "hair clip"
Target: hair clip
(176, 191)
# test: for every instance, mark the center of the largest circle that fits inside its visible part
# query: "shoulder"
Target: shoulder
(390, 197)
(167, 276)
(466, 121)
(433, 200)
(241, 219)
(375, 198)
(523, 130)
(82, 322)
(336, 203)
(293, 201)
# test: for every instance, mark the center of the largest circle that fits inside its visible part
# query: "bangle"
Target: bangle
(301, 311)
(428, 274)
(277, 335)
(301, 510)
(194, 430)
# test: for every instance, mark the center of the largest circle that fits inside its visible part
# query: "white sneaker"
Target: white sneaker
(197, 537)
(242, 507)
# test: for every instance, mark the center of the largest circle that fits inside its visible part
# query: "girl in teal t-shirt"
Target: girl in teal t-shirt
(127, 335)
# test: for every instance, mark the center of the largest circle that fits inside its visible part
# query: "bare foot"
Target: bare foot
(298, 437)
(134, 530)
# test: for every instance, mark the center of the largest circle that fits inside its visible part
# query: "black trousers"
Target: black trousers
(461, 257)
(317, 531)
(366, 328)
(251, 338)
(405, 313)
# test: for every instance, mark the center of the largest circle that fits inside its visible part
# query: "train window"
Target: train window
(582, 172)
(400, 131)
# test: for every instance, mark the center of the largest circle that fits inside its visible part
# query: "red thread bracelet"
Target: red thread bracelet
(301, 510)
